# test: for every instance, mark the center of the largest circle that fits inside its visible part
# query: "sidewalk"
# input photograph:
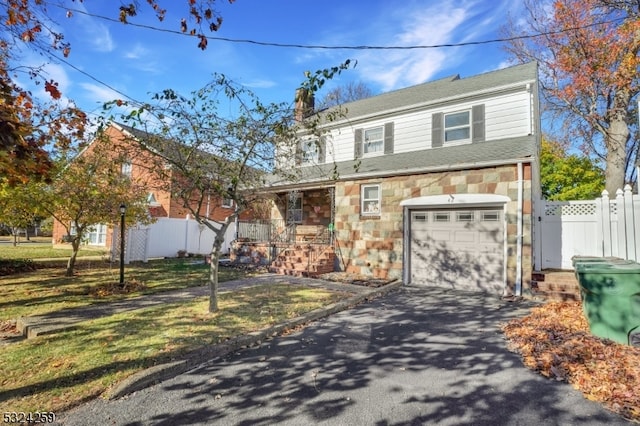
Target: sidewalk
(54, 322)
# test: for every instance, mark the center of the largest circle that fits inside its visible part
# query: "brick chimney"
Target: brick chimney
(304, 104)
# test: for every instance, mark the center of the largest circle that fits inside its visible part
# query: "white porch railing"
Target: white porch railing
(602, 227)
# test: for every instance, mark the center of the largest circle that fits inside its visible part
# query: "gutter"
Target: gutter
(312, 184)
(519, 226)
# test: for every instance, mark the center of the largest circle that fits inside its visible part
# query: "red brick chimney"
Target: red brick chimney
(304, 104)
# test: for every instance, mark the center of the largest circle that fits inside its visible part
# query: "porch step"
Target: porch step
(295, 261)
(555, 285)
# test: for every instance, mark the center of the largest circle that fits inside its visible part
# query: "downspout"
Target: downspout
(519, 223)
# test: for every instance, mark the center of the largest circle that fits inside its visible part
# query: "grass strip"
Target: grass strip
(48, 290)
(54, 373)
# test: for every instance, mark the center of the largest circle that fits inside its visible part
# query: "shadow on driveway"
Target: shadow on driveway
(417, 356)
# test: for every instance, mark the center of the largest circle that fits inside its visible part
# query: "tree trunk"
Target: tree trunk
(75, 247)
(615, 170)
(213, 280)
(213, 270)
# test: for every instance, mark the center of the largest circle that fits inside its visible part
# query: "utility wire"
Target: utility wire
(338, 47)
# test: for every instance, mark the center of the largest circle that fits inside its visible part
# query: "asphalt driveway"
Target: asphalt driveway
(416, 356)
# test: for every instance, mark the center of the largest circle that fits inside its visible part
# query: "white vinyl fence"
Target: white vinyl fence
(602, 227)
(165, 237)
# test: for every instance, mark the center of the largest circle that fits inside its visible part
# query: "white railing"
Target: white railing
(602, 227)
(165, 237)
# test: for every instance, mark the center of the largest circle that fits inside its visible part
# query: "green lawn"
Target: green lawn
(56, 372)
(34, 251)
(48, 290)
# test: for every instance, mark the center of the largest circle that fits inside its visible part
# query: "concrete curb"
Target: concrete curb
(203, 356)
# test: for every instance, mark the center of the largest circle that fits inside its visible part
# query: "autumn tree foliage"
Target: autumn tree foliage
(588, 56)
(17, 210)
(88, 188)
(29, 130)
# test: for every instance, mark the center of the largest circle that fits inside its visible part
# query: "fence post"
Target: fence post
(606, 223)
(630, 235)
(146, 243)
(620, 220)
(127, 250)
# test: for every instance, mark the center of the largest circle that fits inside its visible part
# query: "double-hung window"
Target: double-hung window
(370, 200)
(126, 168)
(373, 141)
(310, 152)
(457, 126)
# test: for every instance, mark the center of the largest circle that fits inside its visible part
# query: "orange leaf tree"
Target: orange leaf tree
(588, 56)
(28, 131)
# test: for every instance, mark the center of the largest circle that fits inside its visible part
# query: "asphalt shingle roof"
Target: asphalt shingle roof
(445, 88)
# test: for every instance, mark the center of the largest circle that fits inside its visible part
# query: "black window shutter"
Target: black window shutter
(477, 112)
(322, 150)
(357, 148)
(437, 131)
(388, 138)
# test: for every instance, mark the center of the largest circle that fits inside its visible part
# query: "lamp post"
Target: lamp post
(123, 210)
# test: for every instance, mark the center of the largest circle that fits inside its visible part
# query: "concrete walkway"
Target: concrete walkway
(54, 322)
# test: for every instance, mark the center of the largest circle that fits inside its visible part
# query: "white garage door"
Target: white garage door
(458, 248)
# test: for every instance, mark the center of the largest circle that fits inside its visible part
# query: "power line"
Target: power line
(339, 47)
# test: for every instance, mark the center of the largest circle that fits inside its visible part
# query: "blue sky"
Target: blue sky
(137, 61)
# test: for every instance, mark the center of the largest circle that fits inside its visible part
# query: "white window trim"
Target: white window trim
(365, 142)
(126, 168)
(227, 202)
(445, 128)
(310, 152)
(363, 200)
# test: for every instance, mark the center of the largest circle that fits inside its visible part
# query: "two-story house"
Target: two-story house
(157, 177)
(431, 184)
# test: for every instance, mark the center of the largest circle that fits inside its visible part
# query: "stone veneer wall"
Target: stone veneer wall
(373, 246)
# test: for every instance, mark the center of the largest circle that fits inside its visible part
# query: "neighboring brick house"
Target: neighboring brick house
(142, 166)
(432, 184)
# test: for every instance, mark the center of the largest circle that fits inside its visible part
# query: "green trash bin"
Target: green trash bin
(579, 260)
(611, 298)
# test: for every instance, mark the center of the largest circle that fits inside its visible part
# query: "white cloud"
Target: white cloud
(421, 26)
(260, 84)
(99, 94)
(96, 33)
(138, 52)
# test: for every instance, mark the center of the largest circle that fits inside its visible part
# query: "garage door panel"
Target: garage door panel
(464, 253)
(464, 237)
